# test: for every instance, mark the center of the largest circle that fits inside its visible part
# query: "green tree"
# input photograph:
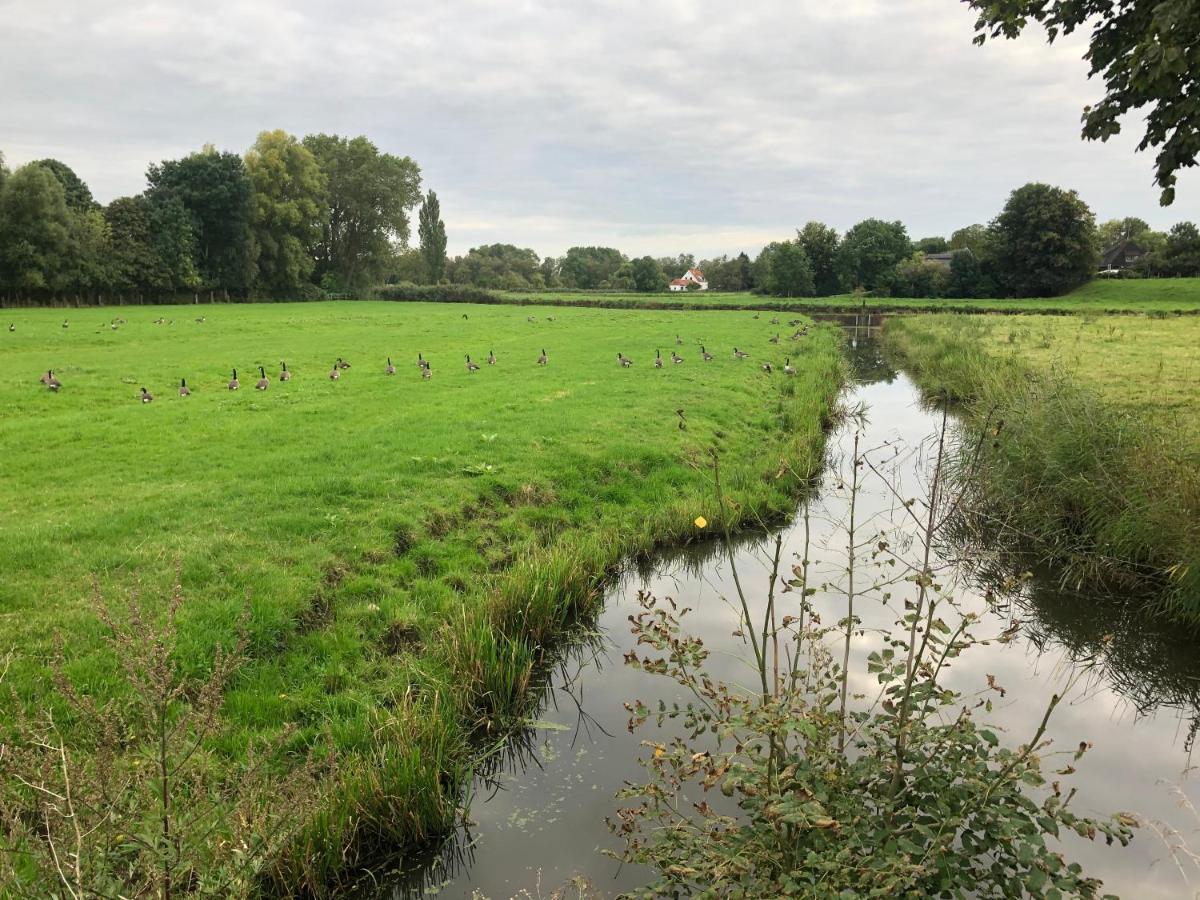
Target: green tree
(35, 231)
(820, 242)
(1114, 230)
(218, 196)
(1181, 256)
(78, 194)
(502, 266)
(432, 232)
(1044, 242)
(369, 198)
(174, 242)
(974, 238)
(932, 245)
(784, 270)
(134, 266)
(918, 277)
(869, 252)
(1148, 55)
(3, 171)
(289, 191)
(648, 275)
(967, 280)
(586, 268)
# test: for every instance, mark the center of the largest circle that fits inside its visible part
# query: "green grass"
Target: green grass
(1163, 295)
(405, 546)
(1097, 466)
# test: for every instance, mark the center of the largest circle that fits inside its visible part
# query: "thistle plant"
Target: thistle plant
(800, 786)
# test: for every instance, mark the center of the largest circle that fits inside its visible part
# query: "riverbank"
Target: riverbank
(407, 546)
(1088, 435)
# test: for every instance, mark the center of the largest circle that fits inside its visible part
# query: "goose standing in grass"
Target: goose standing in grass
(739, 354)
(774, 339)
(284, 374)
(263, 382)
(543, 359)
(678, 341)
(335, 373)
(788, 368)
(342, 364)
(471, 367)
(184, 390)
(45, 379)
(766, 367)
(234, 384)
(624, 361)
(422, 363)
(426, 372)
(53, 383)
(491, 357)
(676, 358)
(66, 324)
(658, 359)
(774, 320)
(705, 355)
(147, 397)
(12, 326)
(390, 370)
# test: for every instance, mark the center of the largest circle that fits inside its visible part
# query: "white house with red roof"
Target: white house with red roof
(690, 277)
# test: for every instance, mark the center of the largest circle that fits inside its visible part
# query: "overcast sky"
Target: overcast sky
(657, 126)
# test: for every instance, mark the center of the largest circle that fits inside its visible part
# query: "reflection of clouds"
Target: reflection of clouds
(548, 818)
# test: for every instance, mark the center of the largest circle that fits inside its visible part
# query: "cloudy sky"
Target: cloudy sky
(654, 126)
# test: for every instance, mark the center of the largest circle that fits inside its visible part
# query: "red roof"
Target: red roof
(697, 274)
(680, 281)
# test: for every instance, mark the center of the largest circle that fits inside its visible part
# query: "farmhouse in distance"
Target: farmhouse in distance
(692, 278)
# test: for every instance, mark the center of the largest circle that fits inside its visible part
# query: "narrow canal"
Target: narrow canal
(537, 820)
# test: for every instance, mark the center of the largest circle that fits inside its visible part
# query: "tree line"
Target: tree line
(291, 218)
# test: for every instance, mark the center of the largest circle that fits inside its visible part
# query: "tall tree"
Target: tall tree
(289, 191)
(134, 265)
(820, 242)
(586, 268)
(784, 270)
(432, 232)
(647, 275)
(1044, 241)
(869, 253)
(78, 194)
(215, 190)
(175, 242)
(35, 231)
(1148, 54)
(368, 200)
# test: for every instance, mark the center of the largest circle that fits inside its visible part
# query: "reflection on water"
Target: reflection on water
(537, 819)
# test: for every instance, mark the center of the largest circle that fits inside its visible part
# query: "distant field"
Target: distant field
(390, 532)
(1114, 295)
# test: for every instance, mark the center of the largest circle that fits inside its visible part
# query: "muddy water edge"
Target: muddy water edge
(539, 803)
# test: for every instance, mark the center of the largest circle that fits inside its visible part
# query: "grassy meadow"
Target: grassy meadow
(1098, 456)
(1157, 295)
(405, 546)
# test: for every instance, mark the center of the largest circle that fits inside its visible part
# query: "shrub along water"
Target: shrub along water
(1103, 492)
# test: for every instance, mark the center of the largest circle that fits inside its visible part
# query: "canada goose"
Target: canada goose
(263, 382)
(342, 364)
(66, 324)
(624, 361)
(766, 367)
(774, 320)
(284, 374)
(114, 326)
(184, 391)
(788, 368)
(199, 320)
(45, 379)
(146, 396)
(335, 373)
(774, 339)
(676, 358)
(682, 420)
(464, 315)
(543, 359)
(756, 315)
(471, 367)
(739, 354)
(550, 318)
(54, 384)
(530, 319)
(421, 362)
(12, 326)
(426, 372)
(705, 355)
(390, 370)
(234, 384)
(658, 359)
(678, 341)
(491, 357)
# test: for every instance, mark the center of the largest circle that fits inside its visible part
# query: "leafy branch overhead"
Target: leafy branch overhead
(1148, 54)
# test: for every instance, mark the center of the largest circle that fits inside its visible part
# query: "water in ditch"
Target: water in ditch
(537, 821)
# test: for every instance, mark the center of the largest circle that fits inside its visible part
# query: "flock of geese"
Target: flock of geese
(52, 383)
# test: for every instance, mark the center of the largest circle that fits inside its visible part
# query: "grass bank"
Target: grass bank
(407, 546)
(1096, 466)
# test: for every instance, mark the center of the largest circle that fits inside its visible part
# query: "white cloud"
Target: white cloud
(637, 124)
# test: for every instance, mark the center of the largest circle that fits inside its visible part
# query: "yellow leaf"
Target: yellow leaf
(701, 521)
